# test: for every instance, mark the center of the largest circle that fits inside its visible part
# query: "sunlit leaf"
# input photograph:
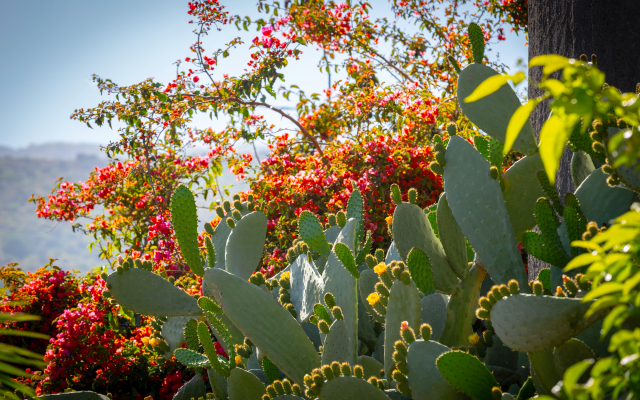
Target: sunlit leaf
(518, 120)
(550, 63)
(553, 137)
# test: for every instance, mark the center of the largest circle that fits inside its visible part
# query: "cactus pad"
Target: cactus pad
(433, 311)
(543, 249)
(173, 333)
(246, 244)
(346, 258)
(220, 236)
(306, 287)
(521, 191)
(367, 283)
(268, 325)
(404, 305)
(392, 254)
(532, 323)
(184, 219)
(149, 294)
(467, 374)
(425, 380)
(355, 208)
(193, 389)
(311, 232)
(493, 112)
(336, 345)
(191, 358)
(452, 238)
(569, 353)
(411, 229)
(243, 385)
(349, 388)
(601, 203)
(476, 37)
(581, 167)
(477, 204)
(420, 269)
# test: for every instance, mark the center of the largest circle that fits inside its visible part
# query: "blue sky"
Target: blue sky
(50, 50)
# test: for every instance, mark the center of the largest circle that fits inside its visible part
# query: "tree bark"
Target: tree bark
(608, 29)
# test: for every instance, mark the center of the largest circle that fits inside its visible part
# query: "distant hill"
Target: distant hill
(31, 241)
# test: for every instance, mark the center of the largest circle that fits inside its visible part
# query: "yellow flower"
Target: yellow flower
(373, 298)
(380, 268)
(154, 342)
(389, 220)
(145, 340)
(238, 360)
(286, 275)
(474, 339)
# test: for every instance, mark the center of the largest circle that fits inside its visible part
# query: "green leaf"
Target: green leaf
(550, 63)
(604, 289)
(492, 84)
(519, 118)
(553, 138)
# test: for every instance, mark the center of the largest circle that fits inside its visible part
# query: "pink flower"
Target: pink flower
(267, 30)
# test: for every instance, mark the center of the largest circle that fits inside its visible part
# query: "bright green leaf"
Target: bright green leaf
(519, 118)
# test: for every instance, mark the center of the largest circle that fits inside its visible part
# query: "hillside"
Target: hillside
(31, 241)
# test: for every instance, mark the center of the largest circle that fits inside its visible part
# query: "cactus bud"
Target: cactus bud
(452, 129)
(231, 223)
(289, 307)
(342, 219)
(583, 282)
(491, 297)
(493, 171)
(358, 371)
(481, 313)
(398, 376)
(335, 367)
(560, 292)
(331, 218)
(237, 215)
(379, 255)
(401, 348)
(329, 300)
(583, 58)
(396, 196)
(397, 356)
(570, 285)
(337, 313)
(514, 288)
(295, 389)
(596, 136)
(313, 319)
(251, 206)
(496, 392)
(119, 270)
(405, 277)
(271, 391)
(495, 291)
(226, 205)
(370, 261)
(607, 169)
(504, 291)
(440, 159)
(382, 289)
(436, 168)
(439, 146)
(597, 147)
(407, 333)
(318, 379)
(487, 336)
(592, 227)
(425, 332)
(236, 197)
(284, 298)
(323, 327)
(613, 180)
(286, 385)
(308, 380)
(220, 212)
(485, 303)
(328, 372)
(106, 294)
(396, 271)
(237, 205)
(413, 195)
(345, 368)
(537, 288)
(402, 367)
(104, 276)
(594, 59)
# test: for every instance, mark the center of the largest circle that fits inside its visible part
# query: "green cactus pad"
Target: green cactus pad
(191, 334)
(493, 112)
(332, 233)
(433, 220)
(218, 384)
(367, 283)
(243, 385)
(370, 367)
(547, 219)
(74, 396)
(191, 358)
(467, 374)
(544, 249)
(173, 333)
(270, 370)
(569, 353)
(521, 191)
(268, 325)
(425, 380)
(433, 311)
(500, 355)
(527, 390)
(544, 276)
(601, 203)
(575, 224)
(420, 269)
(184, 218)
(204, 336)
(581, 167)
(477, 204)
(350, 388)
(532, 323)
(392, 254)
(147, 293)
(220, 236)
(344, 287)
(355, 209)
(193, 389)
(306, 287)
(311, 232)
(491, 150)
(452, 238)
(461, 309)
(628, 174)
(404, 305)
(246, 244)
(544, 374)
(336, 345)
(346, 258)
(476, 37)
(366, 331)
(411, 229)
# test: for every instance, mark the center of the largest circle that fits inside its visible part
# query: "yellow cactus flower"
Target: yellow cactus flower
(145, 340)
(373, 298)
(154, 342)
(380, 268)
(389, 220)
(474, 339)
(404, 325)
(286, 275)
(238, 360)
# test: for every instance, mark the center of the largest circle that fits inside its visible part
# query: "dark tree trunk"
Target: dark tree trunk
(609, 29)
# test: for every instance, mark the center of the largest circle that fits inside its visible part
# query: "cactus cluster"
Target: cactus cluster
(446, 312)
